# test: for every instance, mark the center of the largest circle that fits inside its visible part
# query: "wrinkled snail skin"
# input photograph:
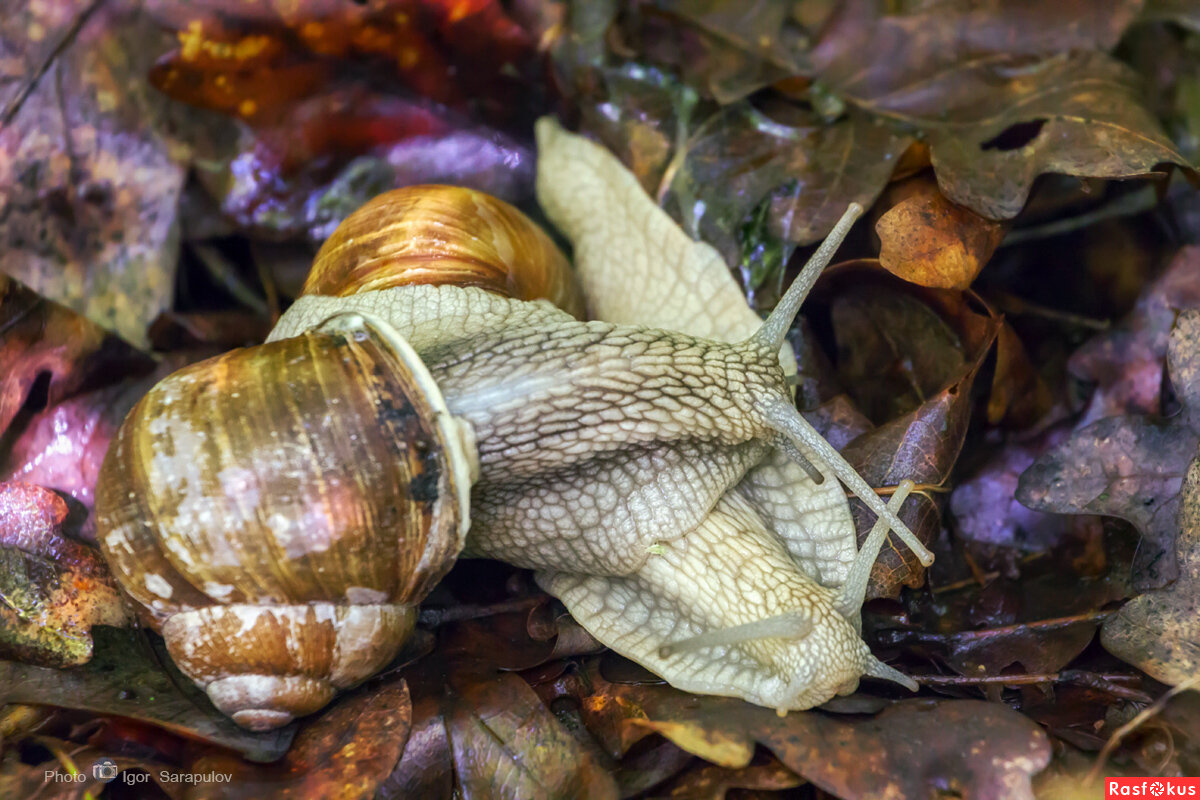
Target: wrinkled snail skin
(279, 511)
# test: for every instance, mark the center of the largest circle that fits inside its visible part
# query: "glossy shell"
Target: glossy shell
(443, 235)
(280, 510)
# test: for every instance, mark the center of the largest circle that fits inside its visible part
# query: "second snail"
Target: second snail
(279, 511)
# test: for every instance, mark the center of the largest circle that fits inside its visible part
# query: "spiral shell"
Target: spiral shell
(443, 235)
(280, 510)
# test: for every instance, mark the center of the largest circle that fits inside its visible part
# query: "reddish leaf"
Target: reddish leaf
(42, 338)
(345, 753)
(52, 589)
(921, 446)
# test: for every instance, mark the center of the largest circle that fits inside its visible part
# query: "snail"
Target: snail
(278, 511)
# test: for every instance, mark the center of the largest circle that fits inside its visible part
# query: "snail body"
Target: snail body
(643, 471)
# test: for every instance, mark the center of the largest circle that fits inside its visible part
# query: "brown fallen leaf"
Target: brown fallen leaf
(1129, 467)
(90, 180)
(1077, 115)
(52, 589)
(486, 732)
(913, 748)
(894, 351)
(729, 50)
(1159, 631)
(131, 675)
(928, 240)
(713, 782)
(344, 753)
(921, 446)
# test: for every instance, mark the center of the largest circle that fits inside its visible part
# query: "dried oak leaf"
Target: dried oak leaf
(88, 186)
(1130, 467)
(52, 589)
(932, 60)
(914, 748)
(1159, 631)
(969, 76)
(1076, 115)
(345, 753)
(928, 240)
(131, 675)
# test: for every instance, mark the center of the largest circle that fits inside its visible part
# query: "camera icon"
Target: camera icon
(105, 769)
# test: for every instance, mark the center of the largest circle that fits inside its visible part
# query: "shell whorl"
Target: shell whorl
(441, 235)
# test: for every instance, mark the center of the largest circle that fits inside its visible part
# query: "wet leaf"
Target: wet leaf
(1079, 115)
(810, 172)
(487, 731)
(52, 589)
(928, 240)
(944, 60)
(344, 753)
(1128, 467)
(130, 675)
(90, 185)
(1159, 631)
(62, 447)
(921, 446)
(43, 340)
(284, 185)
(911, 749)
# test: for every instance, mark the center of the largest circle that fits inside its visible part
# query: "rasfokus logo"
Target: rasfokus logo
(1151, 787)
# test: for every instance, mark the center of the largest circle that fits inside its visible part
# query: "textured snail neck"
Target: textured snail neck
(443, 235)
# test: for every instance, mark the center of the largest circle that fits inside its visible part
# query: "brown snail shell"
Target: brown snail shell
(280, 510)
(443, 235)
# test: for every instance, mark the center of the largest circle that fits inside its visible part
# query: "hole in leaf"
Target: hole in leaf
(1015, 136)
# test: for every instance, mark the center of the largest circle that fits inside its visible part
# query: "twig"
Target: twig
(1124, 206)
(925, 637)
(1129, 727)
(1105, 683)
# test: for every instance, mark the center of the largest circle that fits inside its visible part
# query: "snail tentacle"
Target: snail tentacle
(853, 592)
(781, 415)
(794, 624)
(773, 332)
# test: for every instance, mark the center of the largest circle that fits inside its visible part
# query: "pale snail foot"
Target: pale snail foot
(796, 658)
